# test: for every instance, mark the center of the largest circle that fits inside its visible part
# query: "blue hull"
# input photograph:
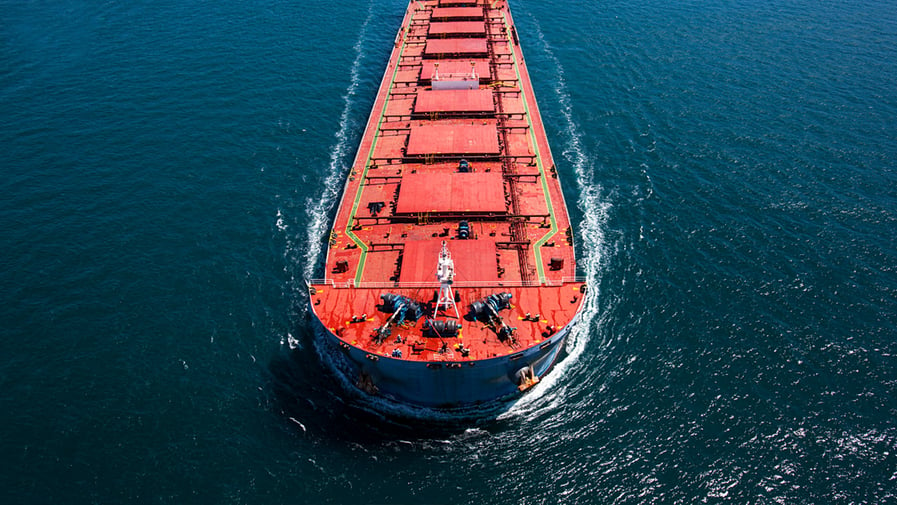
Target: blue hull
(441, 384)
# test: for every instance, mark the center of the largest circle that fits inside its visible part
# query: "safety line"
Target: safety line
(361, 245)
(537, 247)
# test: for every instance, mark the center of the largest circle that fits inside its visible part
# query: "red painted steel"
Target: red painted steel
(460, 47)
(457, 28)
(455, 68)
(457, 13)
(419, 261)
(454, 137)
(503, 216)
(461, 100)
(452, 193)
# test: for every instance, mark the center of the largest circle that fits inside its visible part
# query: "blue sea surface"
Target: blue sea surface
(168, 171)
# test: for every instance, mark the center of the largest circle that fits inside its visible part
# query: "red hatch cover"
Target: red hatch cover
(454, 2)
(457, 12)
(460, 100)
(461, 139)
(454, 68)
(457, 27)
(452, 192)
(455, 46)
(474, 261)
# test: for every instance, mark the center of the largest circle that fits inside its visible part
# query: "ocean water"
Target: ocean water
(167, 174)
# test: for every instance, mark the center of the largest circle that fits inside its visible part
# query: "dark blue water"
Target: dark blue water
(167, 170)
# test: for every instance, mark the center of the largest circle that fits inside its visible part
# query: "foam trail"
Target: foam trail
(305, 250)
(591, 232)
(318, 210)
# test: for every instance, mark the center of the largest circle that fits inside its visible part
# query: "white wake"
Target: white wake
(595, 212)
(318, 209)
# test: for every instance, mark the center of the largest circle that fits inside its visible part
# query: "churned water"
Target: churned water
(168, 171)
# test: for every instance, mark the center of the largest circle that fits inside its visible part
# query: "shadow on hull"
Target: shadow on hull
(311, 393)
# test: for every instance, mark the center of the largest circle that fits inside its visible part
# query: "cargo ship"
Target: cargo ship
(450, 277)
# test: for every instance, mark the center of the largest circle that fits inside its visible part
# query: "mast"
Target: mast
(445, 272)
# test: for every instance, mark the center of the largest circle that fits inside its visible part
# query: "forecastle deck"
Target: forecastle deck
(454, 151)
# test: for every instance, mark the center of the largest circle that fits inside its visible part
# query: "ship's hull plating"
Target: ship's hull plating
(440, 384)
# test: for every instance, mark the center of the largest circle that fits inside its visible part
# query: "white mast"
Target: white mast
(445, 272)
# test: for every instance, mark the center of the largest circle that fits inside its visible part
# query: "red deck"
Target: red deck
(417, 265)
(452, 193)
(502, 216)
(457, 13)
(454, 68)
(457, 28)
(460, 100)
(440, 138)
(456, 47)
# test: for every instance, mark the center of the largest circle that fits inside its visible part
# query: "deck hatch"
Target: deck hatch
(474, 261)
(458, 28)
(453, 139)
(455, 47)
(466, 100)
(453, 69)
(450, 13)
(457, 193)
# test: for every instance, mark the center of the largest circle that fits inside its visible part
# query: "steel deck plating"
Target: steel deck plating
(454, 153)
